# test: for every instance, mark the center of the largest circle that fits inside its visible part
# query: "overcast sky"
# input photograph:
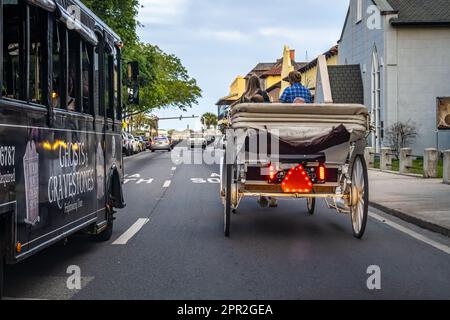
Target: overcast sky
(220, 39)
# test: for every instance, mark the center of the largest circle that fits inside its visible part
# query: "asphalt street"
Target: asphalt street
(168, 243)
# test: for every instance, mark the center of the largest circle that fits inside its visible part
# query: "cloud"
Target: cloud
(226, 35)
(302, 34)
(162, 12)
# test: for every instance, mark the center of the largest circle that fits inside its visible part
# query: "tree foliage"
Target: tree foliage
(164, 82)
(120, 15)
(209, 120)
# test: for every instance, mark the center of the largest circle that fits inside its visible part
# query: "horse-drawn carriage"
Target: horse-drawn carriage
(311, 151)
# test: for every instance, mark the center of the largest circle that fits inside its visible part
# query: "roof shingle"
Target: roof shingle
(420, 12)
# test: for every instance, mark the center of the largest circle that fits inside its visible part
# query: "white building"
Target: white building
(403, 48)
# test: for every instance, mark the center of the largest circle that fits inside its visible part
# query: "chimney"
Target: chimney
(293, 55)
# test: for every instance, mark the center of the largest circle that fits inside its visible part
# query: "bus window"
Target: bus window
(57, 62)
(12, 22)
(86, 72)
(116, 89)
(37, 43)
(97, 108)
(108, 88)
(74, 72)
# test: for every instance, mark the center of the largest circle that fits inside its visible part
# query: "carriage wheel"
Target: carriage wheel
(359, 196)
(311, 205)
(227, 206)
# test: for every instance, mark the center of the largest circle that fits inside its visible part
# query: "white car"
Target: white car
(197, 140)
(135, 144)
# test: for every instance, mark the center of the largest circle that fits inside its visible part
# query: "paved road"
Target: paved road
(175, 249)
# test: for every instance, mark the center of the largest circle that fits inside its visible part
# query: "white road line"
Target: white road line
(23, 299)
(412, 233)
(130, 233)
(167, 184)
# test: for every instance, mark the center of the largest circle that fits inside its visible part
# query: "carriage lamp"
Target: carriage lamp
(272, 172)
(321, 173)
(297, 181)
(18, 247)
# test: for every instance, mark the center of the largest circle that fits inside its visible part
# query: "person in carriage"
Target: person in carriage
(296, 93)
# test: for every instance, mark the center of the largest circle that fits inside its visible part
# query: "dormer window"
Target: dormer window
(359, 11)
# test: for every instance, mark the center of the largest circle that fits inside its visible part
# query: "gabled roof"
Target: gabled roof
(330, 53)
(261, 68)
(421, 12)
(346, 84)
(412, 12)
(278, 68)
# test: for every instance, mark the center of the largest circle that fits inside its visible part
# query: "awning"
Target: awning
(76, 25)
(48, 5)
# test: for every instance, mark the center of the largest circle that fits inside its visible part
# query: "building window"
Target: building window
(376, 101)
(12, 26)
(359, 11)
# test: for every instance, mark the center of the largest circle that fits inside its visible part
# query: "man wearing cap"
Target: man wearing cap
(296, 93)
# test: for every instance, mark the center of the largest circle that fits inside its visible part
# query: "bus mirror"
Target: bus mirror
(133, 82)
(133, 71)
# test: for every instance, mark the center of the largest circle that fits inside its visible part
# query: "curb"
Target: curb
(411, 175)
(414, 220)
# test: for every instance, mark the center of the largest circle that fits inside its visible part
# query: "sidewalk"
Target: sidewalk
(424, 202)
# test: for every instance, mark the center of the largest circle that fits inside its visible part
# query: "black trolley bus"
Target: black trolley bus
(61, 163)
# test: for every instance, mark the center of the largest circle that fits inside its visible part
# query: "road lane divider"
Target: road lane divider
(131, 232)
(411, 233)
(167, 184)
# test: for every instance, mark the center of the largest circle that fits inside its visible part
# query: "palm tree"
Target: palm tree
(209, 120)
(141, 120)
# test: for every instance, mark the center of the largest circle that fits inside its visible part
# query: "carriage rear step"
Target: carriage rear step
(299, 158)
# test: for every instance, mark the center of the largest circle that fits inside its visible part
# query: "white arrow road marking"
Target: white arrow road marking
(130, 233)
(167, 184)
(412, 233)
(149, 181)
(134, 176)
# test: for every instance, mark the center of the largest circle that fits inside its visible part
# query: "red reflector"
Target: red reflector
(297, 181)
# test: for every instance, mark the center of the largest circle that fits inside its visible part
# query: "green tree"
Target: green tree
(209, 120)
(120, 15)
(164, 81)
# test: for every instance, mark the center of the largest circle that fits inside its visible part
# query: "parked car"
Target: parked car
(197, 140)
(135, 144)
(161, 143)
(127, 144)
(142, 143)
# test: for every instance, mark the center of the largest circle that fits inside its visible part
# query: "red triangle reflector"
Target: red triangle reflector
(297, 181)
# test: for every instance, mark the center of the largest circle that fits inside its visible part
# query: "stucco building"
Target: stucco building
(403, 48)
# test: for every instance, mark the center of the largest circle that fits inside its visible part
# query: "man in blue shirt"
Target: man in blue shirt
(296, 92)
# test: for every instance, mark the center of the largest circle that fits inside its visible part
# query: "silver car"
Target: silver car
(161, 143)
